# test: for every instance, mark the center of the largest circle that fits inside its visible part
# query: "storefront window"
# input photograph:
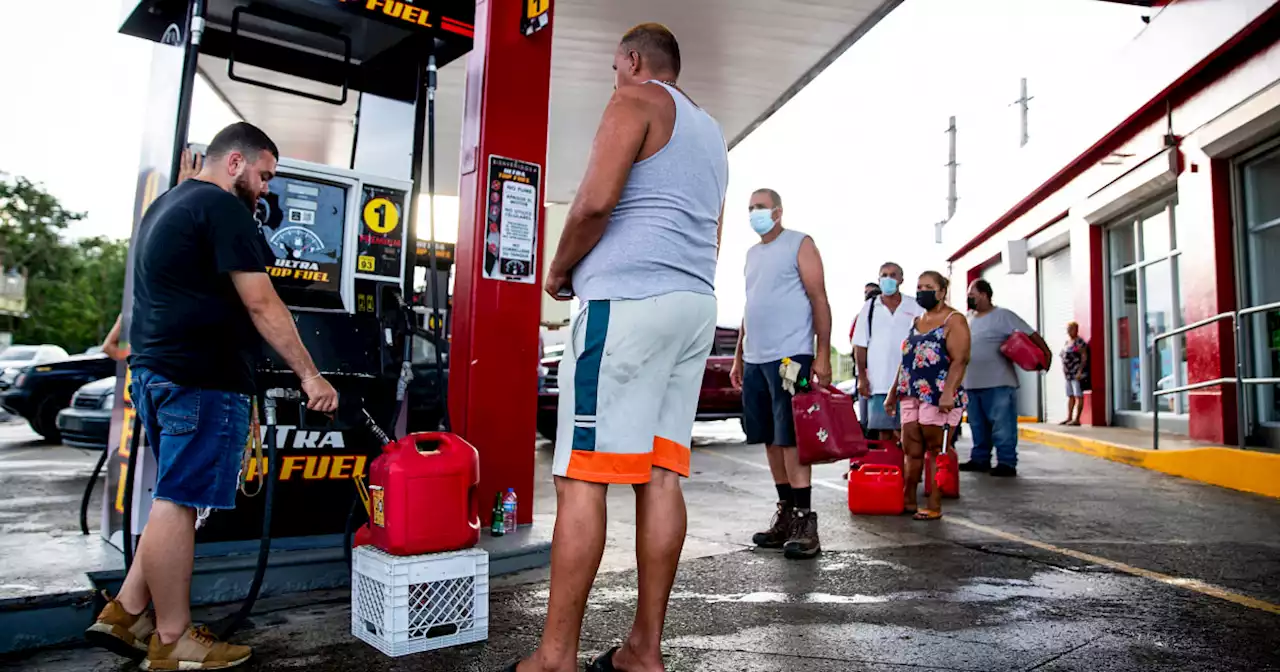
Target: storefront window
(1145, 303)
(1128, 361)
(1262, 250)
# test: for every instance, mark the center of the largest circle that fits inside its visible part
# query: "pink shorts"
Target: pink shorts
(928, 414)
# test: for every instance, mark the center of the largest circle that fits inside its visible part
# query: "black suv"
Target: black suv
(40, 392)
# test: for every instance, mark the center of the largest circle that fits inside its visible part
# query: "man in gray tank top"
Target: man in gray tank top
(639, 249)
(786, 311)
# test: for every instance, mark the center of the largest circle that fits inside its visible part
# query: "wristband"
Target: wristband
(310, 378)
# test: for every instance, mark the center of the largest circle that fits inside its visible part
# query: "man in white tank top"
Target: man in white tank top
(786, 317)
(639, 249)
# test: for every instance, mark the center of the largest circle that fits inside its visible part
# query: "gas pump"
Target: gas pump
(345, 255)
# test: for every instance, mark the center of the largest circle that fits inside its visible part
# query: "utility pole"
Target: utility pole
(952, 198)
(1021, 102)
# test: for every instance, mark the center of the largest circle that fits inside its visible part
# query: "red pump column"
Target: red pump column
(493, 360)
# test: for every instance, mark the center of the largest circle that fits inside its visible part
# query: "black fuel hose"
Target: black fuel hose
(126, 519)
(438, 318)
(88, 491)
(225, 627)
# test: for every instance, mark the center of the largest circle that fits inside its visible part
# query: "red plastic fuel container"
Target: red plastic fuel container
(422, 495)
(876, 490)
(945, 472)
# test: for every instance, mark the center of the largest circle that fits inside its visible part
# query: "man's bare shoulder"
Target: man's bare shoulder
(644, 99)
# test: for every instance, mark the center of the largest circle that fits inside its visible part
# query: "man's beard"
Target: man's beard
(246, 195)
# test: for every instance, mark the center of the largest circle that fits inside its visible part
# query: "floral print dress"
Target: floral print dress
(924, 366)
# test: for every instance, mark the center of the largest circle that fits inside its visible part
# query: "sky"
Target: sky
(858, 155)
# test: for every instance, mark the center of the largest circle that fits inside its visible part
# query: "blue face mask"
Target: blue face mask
(889, 286)
(762, 221)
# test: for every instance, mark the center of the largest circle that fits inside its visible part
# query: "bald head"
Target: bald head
(648, 51)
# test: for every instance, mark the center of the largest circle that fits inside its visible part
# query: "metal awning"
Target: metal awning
(742, 60)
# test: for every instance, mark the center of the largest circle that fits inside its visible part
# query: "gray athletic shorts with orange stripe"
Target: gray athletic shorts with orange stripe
(629, 386)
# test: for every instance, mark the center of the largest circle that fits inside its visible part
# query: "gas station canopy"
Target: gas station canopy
(742, 60)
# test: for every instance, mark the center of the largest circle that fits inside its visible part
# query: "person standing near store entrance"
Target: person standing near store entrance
(992, 382)
(786, 312)
(878, 333)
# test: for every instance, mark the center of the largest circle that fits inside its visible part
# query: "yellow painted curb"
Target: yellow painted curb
(1244, 470)
(1022, 419)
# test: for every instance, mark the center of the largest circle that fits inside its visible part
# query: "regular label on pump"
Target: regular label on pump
(380, 247)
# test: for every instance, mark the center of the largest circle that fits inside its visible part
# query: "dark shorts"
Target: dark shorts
(198, 437)
(877, 418)
(766, 406)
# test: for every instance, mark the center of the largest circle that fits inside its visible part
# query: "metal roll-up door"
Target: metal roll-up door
(1057, 308)
(1018, 293)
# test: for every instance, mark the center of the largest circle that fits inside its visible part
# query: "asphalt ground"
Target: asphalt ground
(1078, 564)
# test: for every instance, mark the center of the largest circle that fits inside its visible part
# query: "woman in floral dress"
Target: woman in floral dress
(934, 358)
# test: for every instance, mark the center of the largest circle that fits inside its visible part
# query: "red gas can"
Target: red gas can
(876, 490)
(945, 472)
(882, 453)
(422, 495)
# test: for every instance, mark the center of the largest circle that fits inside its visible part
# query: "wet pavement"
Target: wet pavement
(1078, 564)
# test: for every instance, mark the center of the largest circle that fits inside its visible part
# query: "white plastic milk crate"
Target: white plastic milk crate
(410, 604)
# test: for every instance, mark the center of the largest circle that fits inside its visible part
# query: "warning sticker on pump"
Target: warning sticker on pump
(511, 235)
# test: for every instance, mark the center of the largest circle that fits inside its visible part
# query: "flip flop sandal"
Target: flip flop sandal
(604, 663)
(909, 512)
(925, 514)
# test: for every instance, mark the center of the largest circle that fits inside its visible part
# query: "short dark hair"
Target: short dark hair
(656, 44)
(773, 196)
(242, 137)
(984, 288)
(871, 285)
(943, 282)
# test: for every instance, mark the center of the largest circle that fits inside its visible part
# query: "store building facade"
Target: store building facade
(1170, 217)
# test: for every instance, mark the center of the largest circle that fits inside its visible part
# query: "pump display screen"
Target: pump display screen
(302, 221)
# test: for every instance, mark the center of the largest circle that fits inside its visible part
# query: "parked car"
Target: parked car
(718, 399)
(15, 357)
(87, 422)
(40, 392)
(426, 412)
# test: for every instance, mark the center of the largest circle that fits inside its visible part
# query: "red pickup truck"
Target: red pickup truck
(717, 401)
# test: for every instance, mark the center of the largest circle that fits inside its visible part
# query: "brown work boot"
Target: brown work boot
(804, 542)
(121, 632)
(197, 649)
(780, 531)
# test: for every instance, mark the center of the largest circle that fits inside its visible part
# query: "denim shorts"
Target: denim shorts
(197, 437)
(877, 418)
(766, 405)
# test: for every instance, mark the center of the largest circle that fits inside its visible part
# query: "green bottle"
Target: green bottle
(497, 528)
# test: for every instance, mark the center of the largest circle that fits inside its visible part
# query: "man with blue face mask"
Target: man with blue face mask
(880, 328)
(787, 316)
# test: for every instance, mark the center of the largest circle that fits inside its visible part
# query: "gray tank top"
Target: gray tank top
(661, 237)
(779, 318)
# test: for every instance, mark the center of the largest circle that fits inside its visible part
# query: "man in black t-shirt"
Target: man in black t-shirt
(202, 304)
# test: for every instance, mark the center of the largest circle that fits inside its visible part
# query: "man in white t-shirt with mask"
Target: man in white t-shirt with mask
(881, 327)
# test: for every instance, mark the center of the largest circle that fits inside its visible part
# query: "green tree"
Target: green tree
(73, 287)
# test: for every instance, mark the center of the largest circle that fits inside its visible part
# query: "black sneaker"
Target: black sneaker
(780, 531)
(975, 466)
(803, 543)
(1002, 470)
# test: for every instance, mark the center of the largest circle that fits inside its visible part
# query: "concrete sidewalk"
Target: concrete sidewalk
(1078, 564)
(1256, 471)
